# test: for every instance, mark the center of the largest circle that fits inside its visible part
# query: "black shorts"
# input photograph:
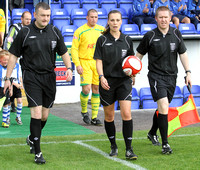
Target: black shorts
(40, 89)
(162, 86)
(7, 101)
(16, 93)
(120, 89)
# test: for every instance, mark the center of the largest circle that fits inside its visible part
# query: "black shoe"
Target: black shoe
(86, 118)
(31, 144)
(13, 109)
(96, 122)
(153, 139)
(130, 154)
(114, 151)
(166, 149)
(39, 159)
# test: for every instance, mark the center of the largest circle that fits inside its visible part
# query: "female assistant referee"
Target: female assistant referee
(114, 85)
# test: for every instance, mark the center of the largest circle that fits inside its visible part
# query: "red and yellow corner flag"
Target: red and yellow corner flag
(182, 116)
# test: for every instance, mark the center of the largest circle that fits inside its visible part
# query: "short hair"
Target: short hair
(162, 8)
(3, 53)
(42, 5)
(25, 13)
(91, 10)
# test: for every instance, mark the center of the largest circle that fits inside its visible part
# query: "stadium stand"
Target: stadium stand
(55, 4)
(108, 4)
(195, 92)
(188, 28)
(68, 32)
(135, 101)
(70, 4)
(177, 98)
(16, 14)
(130, 29)
(198, 28)
(89, 4)
(146, 99)
(126, 4)
(28, 4)
(102, 16)
(147, 27)
(78, 16)
(124, 14)
(60, 17)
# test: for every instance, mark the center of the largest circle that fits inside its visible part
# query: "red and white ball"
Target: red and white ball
(131, 65)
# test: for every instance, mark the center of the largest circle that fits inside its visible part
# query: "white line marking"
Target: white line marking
(126, 163)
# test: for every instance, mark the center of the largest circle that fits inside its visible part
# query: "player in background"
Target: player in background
(163, 44)
(83, 46)
(13, 31)
(2, 26)
(114, 85)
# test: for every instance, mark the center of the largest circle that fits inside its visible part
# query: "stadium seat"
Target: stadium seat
(17, 13)
(124, 14)
(70, 4)
(147, 27)
(126, 4)
(68, 32)
(102, 16)
(89, 4)
(173, 25)
(60, 17)
(9, 18)
(146, 99)
(55, 4)
(78, 16)
(108, 4)
(135, 101)
(198, 28)
(130, 29)
(187, 28)
(195, 92)
(177, 98)
(28, 4)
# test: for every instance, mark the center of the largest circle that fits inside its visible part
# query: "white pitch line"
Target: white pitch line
(126, 163)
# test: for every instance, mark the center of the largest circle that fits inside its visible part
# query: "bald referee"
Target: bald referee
(163, 44)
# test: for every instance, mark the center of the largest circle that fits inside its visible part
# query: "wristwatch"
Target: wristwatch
(70, 68)
(6, 78)
(187, 71)
(100, 77)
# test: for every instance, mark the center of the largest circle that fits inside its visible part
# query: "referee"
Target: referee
(163, 44)
(38, 43)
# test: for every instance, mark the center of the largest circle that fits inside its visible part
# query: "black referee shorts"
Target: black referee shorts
(120, 89)
(40, 89)
(162, 86)
(7, 101)
(16, 93)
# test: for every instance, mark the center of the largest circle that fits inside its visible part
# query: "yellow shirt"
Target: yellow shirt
(84, 42)
(2, 21)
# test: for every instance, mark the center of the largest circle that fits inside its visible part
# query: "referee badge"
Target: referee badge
(172, 47)
(124, 52)
(53, 45)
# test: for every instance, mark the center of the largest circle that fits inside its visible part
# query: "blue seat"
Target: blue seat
(173, 25)
(102, 16)
(89, 4)
(195, 92)
(126, 4)
(78, 16)
(135, 101)
(130, 29)
(9, 19)
(188, 28)
(177, 98)
(198, 28)
(60, 17)
(28, 4)
(147, 27)
(55, 5)
(124, 14)
(68, 32)
(146, 99)
(108, 4)
(17, 13)
(70, 4)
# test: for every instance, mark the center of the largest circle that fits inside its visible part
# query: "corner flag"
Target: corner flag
(182, 116)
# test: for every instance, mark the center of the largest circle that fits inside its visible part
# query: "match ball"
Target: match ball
(131, 65)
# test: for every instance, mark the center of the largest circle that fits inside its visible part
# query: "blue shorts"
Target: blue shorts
(180, 17)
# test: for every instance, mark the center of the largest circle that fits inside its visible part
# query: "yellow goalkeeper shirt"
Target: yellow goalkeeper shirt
(84, 42)
(2, 21)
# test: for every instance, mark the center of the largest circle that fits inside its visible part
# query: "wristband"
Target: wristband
(6, 78)
(187, 71)
(70, 68)
(100, 77)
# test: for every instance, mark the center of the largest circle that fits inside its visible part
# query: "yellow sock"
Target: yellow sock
(84, 102)
(95, 101)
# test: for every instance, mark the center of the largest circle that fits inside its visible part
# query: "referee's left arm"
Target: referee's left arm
(67, 61)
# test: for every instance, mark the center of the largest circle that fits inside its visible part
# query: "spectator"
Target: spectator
(2, 26)
(35, 2)
(194, 11)
(179, 10)
(142, 13)
(15, 4)
(159, 3)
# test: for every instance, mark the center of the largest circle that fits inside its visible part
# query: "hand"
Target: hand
(79, 70)
(68, 75)
(7, 85)
(188, 79)
(104, 83)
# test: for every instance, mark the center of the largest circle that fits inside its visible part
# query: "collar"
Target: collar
(169, 31)
(121, 38)
(38, 29)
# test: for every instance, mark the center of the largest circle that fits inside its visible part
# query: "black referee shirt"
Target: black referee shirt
(112, 52)
(38, 48)
(162, 50)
